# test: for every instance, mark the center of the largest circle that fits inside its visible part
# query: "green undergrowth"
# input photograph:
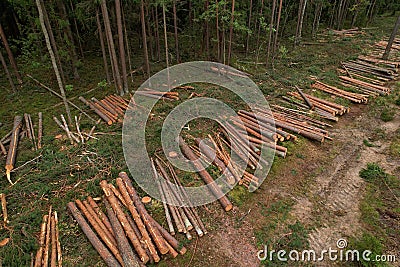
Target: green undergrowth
(379, 210)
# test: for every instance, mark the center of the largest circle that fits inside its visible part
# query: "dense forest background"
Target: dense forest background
(132, 35)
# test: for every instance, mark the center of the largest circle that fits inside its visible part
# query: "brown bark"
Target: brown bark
(137, 219)
(144, 38)
(12, 151)
(103, 49)
(391, 39)
(71, 44)
(53, 60)
(94, 240)
(154, 232)
(125, 224)
(10, 55)
(231, 32)
(122, 58)
(213, 187)
(110, 40)
(3, 62)
(248, 27)
(129, 258)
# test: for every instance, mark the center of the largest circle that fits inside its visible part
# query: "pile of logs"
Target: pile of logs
(158, 94)
(49, 242)
(12, 139)
(362, 68)
(365, 87)
(322, 106)
(123, 238)
(74, 137)
(184, 214)
(111, 109)
(353, 97)
(348, 32)
(207, 178)
(286, 121)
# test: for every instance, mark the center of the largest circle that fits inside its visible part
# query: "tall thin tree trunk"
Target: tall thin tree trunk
(78, 36)
(144, 38)
(156, 28)
(271, 24)
(302, 9)
(317, 16)
(10, 55)
(248, 27)
(71, 45)
(278, 21)
(165, 36)
(113, 55)
(149, 33)
(391, 39)
(128, 50)
(3, 62)
(259, 29)
(52, 40)
(178, 59)
(217, 31)
(207, 32)
(103, 49)
(122, 57)
(53, 60)
(223, 37)
(231, 32)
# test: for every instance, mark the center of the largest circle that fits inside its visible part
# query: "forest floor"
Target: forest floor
(310, 199)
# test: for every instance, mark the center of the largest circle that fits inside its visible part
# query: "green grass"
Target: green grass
(380, 201)
(387, 114)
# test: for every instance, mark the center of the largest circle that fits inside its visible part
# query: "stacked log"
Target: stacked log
(49, 243)
(208, 180)
(353, 97)
(325, 106)
(159, 94)
(111, 109)
(365, 87)
(177, 206)
(122, 238)
(365, 68)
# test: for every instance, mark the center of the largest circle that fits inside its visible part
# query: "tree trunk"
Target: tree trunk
(103, 49)
(71, 45)
(259, 29)
(248, 27)
(52, 40)
(122, 57)
(128, 50)
(231, 32)
(53, 60)
(165, 36)
(10, 55)
(271, 24)
(178, 59)
(207, 32)
(217, 31)
(317, 16)
(157, 34)
(302, 9)
(391, 39)
(3, 62)
(149, 33)
(144, 38)
(278, 21)
(113, 55)
(78, 37)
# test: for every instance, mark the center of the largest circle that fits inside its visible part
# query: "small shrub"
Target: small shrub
(387, 115)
